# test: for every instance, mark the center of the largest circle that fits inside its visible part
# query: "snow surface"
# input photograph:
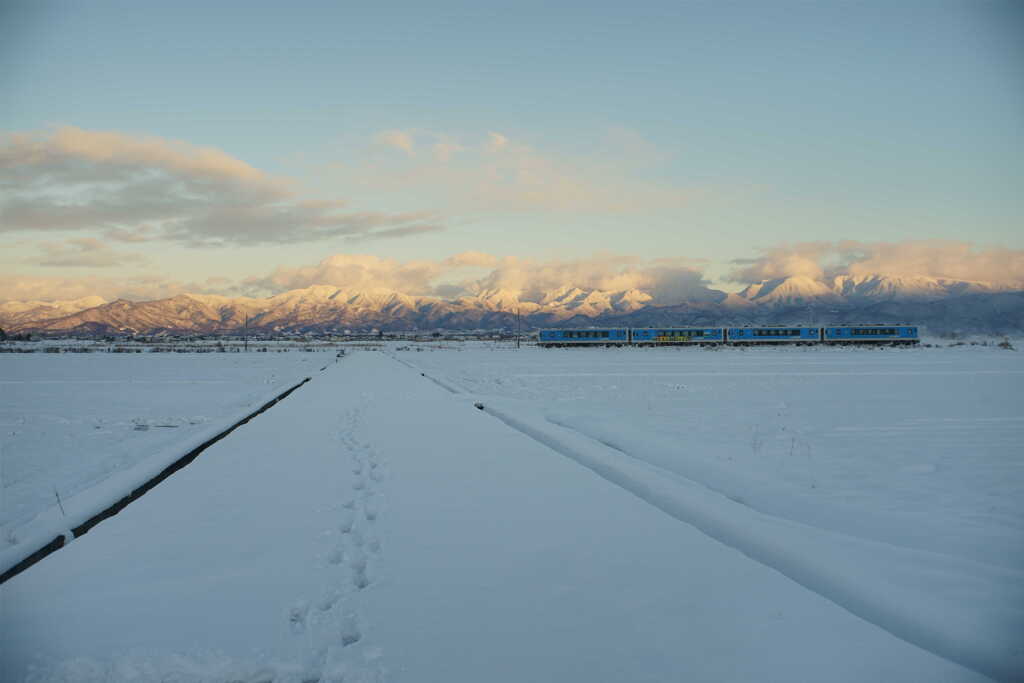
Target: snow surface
(71, 421)
(765, 515)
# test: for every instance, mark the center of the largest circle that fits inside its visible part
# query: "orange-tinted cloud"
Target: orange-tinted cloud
(69, 179)
(84, 252)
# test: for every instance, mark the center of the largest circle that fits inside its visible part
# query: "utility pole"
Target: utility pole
(519, 327)
(246, 333)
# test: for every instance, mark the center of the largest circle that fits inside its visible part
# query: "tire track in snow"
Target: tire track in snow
(332, 628)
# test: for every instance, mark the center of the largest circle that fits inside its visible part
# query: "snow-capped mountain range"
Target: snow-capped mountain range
(928, 301)
(802, 289)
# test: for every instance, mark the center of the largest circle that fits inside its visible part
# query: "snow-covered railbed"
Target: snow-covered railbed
(72, 424)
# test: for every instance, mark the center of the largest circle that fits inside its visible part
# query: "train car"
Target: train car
(868, 333)
(594, 337)
(796, 334)
(873, 333)
(677, 335)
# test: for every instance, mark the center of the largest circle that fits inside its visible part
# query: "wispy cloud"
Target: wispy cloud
(499, 173)
(471, 259)
(353, 271)
(141, 288)
(495, 142)
(398, 139)
(141, 188)
(84, 252)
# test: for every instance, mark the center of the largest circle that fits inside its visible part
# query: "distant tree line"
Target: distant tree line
(14, 337)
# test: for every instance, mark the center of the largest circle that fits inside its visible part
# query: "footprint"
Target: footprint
(350, 631)
(348, 518)
(357, 560)
(297, 617)
(328, 600)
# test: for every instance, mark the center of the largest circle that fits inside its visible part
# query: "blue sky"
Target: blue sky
(696, 131)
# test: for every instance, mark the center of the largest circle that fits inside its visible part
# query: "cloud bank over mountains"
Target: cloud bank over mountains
(929, 258)
(479, 290)
(666, 281)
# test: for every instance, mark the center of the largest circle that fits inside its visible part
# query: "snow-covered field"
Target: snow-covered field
(889, 480)
(606, 515)
(921, 448)
(69, 421)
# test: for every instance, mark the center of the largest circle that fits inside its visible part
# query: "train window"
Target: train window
(776, 333)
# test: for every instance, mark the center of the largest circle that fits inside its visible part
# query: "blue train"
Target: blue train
(895, 334)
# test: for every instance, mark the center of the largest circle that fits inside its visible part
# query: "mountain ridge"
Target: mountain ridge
(935, 302)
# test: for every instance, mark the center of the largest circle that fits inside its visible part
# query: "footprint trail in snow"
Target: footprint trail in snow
(331, 629)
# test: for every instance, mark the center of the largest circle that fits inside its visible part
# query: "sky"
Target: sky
(148, 149)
